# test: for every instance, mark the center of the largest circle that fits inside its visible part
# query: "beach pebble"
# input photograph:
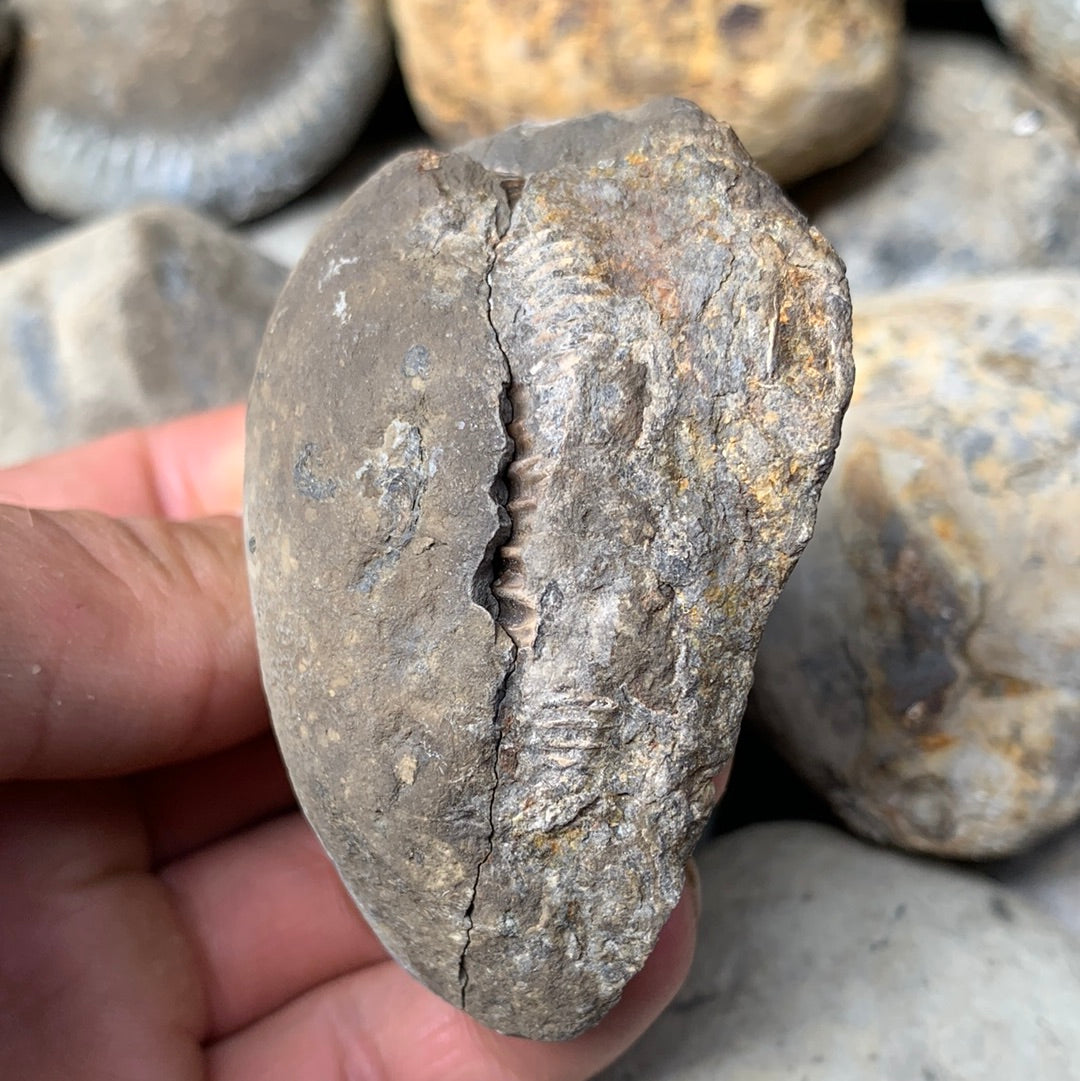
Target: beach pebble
(822, 959)
(805, 83)
(922, 667)
(979, 174)
(135, 319)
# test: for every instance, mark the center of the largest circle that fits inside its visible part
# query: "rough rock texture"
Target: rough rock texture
(1047, 32)
(922, 668)
(140, 318)
(231, 106)
(820, 959)
(805, 83)
(979, 174)
(1048, 877)
(529, 458)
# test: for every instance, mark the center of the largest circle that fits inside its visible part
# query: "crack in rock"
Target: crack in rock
(491, 573)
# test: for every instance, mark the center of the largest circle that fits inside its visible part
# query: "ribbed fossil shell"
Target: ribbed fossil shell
(536, 436)
(231, 106)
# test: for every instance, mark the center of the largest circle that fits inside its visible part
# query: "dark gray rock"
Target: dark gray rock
(230, 106)
(922, 668)
(133, 320)
(6, 31)
(529, 459)
(1047, 32)
(979, 174)
(822, 959)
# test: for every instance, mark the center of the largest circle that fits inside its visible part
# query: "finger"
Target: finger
(720, 781)
(193, 804)
(382, 1025)
(96, 978)
(123, 644)
(270, 920)
(189, 468)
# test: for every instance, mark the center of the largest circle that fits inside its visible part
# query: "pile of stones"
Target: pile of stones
(892, 887)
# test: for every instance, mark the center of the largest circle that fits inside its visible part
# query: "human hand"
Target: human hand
(165, 912)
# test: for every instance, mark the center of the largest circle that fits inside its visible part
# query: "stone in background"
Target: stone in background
(135, 319)
(805, 83)
(979, 174)
(1048, 877)
(1047, 33)
(821, 959)
(230, 106)
(922, 666)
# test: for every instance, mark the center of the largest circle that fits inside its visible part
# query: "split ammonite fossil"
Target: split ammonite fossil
(537, 434)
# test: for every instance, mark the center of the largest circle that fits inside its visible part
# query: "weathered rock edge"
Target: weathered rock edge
(522, 488)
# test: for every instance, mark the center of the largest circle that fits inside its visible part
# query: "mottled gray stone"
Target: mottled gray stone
(922, 668)
(132, 320)
(230, 106)
(979, 174)
(821, 959)
(529, 458)
(1048, 877)
(1047, 32)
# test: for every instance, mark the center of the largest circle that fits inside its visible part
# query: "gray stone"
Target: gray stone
(529, 459)
(821, 959)
(979, 174)
(132, 320)
(1048, 877)
(230, 106)
(1047, 32)
(922, 668)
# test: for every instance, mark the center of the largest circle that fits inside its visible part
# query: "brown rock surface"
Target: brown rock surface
(530, 457)
(805, 83)
(921, 668)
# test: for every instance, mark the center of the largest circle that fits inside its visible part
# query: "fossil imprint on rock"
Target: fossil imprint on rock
(536, 436)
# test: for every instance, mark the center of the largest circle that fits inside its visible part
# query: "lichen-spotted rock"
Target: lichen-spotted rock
(530, 455)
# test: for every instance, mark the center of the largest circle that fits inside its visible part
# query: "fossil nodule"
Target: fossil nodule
(537, 434)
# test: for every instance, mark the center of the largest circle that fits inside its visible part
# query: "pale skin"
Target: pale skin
(165, 912)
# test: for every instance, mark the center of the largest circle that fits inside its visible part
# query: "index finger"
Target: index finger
(126, 644)
(188, 468)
